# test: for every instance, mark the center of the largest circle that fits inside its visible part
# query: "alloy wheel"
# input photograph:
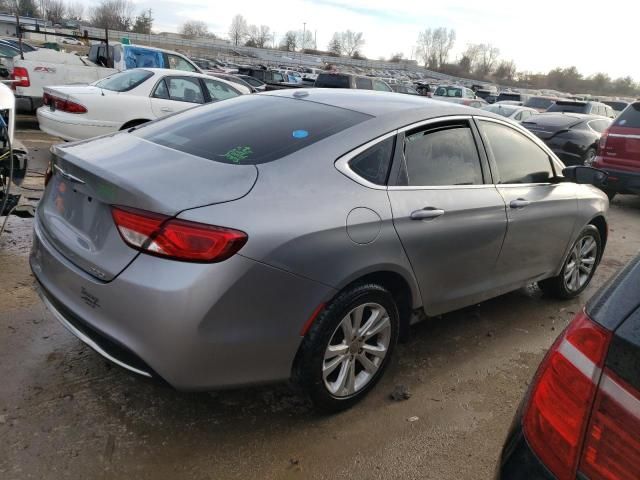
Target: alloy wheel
(581, 262)
(356, 350)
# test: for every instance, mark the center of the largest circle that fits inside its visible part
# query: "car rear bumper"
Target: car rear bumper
(197, 326)
(517, 461)
(621, 181)
(72, 127)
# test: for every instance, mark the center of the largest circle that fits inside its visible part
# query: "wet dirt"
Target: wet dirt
(67, 413)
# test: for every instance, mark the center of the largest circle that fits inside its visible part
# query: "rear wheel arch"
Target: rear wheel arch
(405, 296)
(134, 123)
(601, 224)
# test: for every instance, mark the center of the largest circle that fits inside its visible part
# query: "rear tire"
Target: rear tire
(589, 157)
(348, 348)
(579, 266)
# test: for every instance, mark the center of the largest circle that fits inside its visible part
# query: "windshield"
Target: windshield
(124, 81)
(503, 110)
(449, 92)
(540, 102)
(231, 132)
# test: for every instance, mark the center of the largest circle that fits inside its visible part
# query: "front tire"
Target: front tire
(349, 346)
(578, 268)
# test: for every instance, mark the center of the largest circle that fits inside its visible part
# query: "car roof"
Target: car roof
(184, 73)
(378, 104)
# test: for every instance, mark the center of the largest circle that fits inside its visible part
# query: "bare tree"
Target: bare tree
(425, 50)
(305, 39)
(258, 36)
(194, 28)
(113, 14)
(75, 10)
(443, 41)
(506, 71)
(289, 42)
(396, 57)
(238, 29)
(28, 8)
(54, 10)
(352, 42)
(488, 58)
(335, 44)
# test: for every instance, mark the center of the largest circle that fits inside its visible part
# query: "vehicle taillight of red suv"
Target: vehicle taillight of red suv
(619, 153)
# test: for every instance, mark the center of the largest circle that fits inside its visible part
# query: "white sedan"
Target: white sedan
(516, 113)
(127, 99)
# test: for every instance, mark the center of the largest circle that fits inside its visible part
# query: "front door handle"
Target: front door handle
(519, 203)
(427, 213)
(166, 109)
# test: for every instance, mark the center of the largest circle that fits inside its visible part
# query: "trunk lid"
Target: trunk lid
(547, 125)
(122, 169)
(70, 91)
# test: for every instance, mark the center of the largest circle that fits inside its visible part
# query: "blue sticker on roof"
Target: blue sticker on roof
(300, 134)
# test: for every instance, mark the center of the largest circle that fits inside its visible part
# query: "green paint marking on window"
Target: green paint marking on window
(237, 154)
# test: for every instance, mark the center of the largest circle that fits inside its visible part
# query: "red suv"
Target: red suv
(619, 153)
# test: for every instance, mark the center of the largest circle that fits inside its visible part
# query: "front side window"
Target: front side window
(442, 156)
(518, 159)
(124, 81)
(373, 164)
(277, 77)
(381, 86)
(178, 63)
(219, 90)
(363, 83)
(184, 89)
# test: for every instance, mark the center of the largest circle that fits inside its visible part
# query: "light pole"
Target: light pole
(304, 34)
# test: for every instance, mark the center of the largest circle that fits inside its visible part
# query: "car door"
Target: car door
(448, 214)
(175, 93)
(541, 213)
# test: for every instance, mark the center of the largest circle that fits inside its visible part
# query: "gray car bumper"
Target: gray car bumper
(197, 326)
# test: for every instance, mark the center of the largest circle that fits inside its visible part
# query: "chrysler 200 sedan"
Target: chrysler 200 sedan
(214, 248)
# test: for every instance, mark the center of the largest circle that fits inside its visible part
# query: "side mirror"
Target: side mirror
(585, 175)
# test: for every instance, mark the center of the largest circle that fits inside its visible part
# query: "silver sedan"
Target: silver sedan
(296, 234)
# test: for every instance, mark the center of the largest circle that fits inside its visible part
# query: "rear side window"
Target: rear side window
(364, 83)
(331, 80)
(373, 164)
(219, 90)
(518, 159)
(184, 89)
(442, 156)
(124, 81)
(599, 125)
(630, 117)
(231, 132)
(381, 86)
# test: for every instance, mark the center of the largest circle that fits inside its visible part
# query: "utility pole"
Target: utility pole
(304, 34)
(315, 39)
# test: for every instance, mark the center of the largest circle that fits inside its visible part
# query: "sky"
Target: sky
(538, 36)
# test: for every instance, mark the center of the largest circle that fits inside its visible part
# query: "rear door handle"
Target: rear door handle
(519, 203)
(166, 109)
(427, 213)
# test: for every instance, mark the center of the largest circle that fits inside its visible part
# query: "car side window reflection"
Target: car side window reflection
(442, 156)
(518, 159)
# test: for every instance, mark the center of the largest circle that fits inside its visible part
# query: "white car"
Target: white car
(71, 41)
(127, 99)
(516, 113)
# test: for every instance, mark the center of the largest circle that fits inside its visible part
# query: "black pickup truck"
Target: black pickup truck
(274, 80)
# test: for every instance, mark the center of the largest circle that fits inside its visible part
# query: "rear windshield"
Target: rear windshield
(617, 106)
(568, 107)
(331, 80)
(630, 117)
(509, 96)
(504, 110)
(124, 81)
(539, 102)
(231, 132)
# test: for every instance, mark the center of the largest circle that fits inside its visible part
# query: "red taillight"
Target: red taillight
(62, 104)
(612, 445)
(603, 143)
(21, 77)
(177, 239)
(562, 395)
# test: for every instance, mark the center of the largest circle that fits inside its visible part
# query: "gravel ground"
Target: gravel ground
(67, 413)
